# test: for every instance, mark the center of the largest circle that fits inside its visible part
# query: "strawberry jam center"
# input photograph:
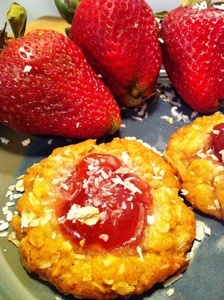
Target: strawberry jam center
(217, 141)
(104, 204)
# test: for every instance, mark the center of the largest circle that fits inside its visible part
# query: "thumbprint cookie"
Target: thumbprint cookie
(196, 153)
(101, 221)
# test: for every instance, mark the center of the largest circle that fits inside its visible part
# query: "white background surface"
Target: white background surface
(38, 8)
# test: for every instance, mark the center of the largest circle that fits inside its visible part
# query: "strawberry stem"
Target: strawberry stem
(67, 9)
(17, 18)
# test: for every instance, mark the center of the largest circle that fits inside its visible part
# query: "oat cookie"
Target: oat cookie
(196, 153)
(102, 221)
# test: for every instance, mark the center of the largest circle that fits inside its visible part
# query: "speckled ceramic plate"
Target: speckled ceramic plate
(204, 278)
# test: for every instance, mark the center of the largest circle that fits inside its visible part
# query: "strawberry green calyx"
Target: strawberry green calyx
(4, 39)
(161, 14)
(115, 125)
(17, 19)
(73, 4)
(67, 8)
(135, 96)
(193, 2)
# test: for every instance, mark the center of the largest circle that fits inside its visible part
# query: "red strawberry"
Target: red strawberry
(193, 54)
(48, 88)
(120, 40)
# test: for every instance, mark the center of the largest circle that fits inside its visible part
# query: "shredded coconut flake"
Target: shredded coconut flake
(50, 141)
(4, 234)
(217, 204)
(200, 6)
(142, 111)
(4, 226)
(161, 40)
(201, 230)
(125, 157)
(219, 6)
(104, 237)
(19, 186)
(64, 186)
(179, 115)
(127, 184)
(168, 119)
(139, 250)
(171, 280)
(158, 173)
(26, 142)
(88, 215)
(151, 220)
(207, 230)
(4, 140)
(9, 216)
(17, 196)
(184, 192)
(136, 118)
(194, 114)
(27, 69)
(194, 248)
(12, 238)
(11, 195)
(123, 205)
(170, 292)
(27, 217)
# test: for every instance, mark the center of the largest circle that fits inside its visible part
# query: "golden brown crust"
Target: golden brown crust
(101, 275)
(201, 175)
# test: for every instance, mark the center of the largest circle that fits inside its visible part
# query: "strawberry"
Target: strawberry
(48, 88)
(193, 54)
(120, 40)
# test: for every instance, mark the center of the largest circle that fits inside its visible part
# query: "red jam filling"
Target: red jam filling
(106, 205)
(217, 141)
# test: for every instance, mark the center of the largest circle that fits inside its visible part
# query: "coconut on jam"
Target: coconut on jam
(105, 204)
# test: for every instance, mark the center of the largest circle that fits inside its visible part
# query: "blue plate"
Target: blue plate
(204, 278)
